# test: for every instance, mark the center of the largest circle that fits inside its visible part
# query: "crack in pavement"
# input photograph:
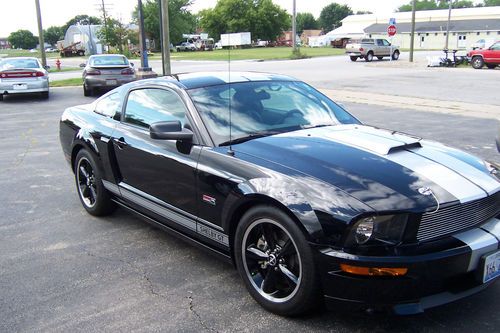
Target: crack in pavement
(197, 315)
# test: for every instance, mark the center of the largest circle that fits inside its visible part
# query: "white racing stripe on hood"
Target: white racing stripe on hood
(482, 179)
(458, 186)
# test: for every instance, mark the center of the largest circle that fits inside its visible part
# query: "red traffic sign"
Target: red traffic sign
(391, 30)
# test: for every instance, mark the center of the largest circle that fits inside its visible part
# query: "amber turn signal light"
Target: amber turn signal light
(373, 271)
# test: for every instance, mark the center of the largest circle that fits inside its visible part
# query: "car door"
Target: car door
(492, 55)
(156, 176)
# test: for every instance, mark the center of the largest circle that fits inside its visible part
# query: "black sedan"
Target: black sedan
(307, 202)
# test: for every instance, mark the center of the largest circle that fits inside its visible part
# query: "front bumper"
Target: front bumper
(433, 279)
(10, 86)
(107, 81)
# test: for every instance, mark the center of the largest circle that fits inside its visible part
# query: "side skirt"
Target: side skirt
(220, 255)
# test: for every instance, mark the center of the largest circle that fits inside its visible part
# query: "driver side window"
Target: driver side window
(496, 47)
(151, 105)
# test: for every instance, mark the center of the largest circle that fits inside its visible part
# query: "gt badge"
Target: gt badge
(208, 199)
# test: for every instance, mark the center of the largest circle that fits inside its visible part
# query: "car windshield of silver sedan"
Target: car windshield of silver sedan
(109, 61)
(264, 108)
(19, 64)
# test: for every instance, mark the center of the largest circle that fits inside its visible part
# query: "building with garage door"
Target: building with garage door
(467, 26)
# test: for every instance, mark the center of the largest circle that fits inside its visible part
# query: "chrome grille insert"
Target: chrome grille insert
(458, 217)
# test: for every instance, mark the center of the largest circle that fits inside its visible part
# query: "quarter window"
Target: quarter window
(151, 105)
(109, 105)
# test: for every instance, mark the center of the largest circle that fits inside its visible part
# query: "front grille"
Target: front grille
(458, 217)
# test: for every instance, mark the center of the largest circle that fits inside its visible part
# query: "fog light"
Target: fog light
(373, 271)
(364, 230)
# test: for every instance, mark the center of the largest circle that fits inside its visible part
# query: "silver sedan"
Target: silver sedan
(106, 71)
(23, 75)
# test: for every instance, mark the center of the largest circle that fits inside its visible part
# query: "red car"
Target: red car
(489, 57)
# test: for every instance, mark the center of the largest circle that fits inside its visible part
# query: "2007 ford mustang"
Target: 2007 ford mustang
(305, 200)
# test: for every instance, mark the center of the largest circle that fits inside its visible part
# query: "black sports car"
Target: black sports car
(306, 201)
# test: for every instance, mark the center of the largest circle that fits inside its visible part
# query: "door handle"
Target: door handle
(121, 143)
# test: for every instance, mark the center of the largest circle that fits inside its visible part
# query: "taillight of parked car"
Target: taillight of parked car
(93, 72)
(361, 49)
(128, 71)
(11, 75)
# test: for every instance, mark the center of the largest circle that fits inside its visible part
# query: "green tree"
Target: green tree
(490, 3)
(53, 34)
(83, 19)
(181, 20)
(23, 39)
(262, 18)
(306, 21)
(117, 35)
(361, 12)
(435, 4)
(332, 14)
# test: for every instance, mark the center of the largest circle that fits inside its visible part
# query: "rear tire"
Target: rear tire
(87, 91)
(380, 58)
(88, 178)
(491, 66)
(353, 58)
(45, 95)
(1, 98)
(369, 57)
(276, 262)
(395, 55)
(477, 62)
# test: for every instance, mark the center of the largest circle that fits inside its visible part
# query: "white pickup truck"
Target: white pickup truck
(367, 48)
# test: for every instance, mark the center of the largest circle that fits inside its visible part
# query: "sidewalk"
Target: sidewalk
(414, 103)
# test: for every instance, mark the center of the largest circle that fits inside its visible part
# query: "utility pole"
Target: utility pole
(40, 32)
(448, 25)
(105, 17)
(294, 27)
(412, 35)
(145, 71)
(165, 44)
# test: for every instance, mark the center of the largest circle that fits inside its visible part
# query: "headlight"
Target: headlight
(385, 229)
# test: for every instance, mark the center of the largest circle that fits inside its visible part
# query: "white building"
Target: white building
(466, 27)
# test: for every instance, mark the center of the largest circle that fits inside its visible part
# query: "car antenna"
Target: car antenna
(230, 151)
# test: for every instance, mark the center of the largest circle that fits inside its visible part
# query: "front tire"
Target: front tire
(491, 66)
(276, 262)
(353, 58)
(395, 55)
(477, 62)
(369, 57)
(88, 177)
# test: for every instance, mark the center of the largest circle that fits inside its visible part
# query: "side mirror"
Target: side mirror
(82, 65)
(47, 67)
(170, 130)
(132, 64)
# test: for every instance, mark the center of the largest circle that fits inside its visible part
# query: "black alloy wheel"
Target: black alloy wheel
(276, 262)
(93, 196)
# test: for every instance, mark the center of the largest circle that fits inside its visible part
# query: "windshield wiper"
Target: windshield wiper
(316, 126)
(249, 137)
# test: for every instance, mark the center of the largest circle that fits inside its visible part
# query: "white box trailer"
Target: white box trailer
(236, 39)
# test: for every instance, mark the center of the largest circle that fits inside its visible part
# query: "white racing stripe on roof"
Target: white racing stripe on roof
(455, 184)
(482, 179)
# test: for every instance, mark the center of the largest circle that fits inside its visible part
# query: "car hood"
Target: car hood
(383, 169)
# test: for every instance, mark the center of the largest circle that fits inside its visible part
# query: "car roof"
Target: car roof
(19, 58)
(205, 79)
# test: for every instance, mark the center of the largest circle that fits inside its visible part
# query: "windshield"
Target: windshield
(19, 64)
(264, 108)
(109, 61)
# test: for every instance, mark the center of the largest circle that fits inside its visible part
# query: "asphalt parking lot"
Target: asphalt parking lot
(62, 270)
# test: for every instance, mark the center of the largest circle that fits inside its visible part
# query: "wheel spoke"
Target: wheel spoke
(84, 172)
(269, 283)
(256, 254)
(287, 249)
(93, 194)
(85, 191)
(288, 274)
(268, 236)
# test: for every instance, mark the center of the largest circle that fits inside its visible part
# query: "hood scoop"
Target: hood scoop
(375, 140)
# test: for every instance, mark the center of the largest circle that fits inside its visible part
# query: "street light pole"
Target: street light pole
(167, 70)
(40, 32)
(448, 25)
(412, 36)
(294, 28)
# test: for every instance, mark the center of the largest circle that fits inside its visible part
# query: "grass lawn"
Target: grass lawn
(66, 83)
(264, 53)
(26, 53)
(64, 69)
